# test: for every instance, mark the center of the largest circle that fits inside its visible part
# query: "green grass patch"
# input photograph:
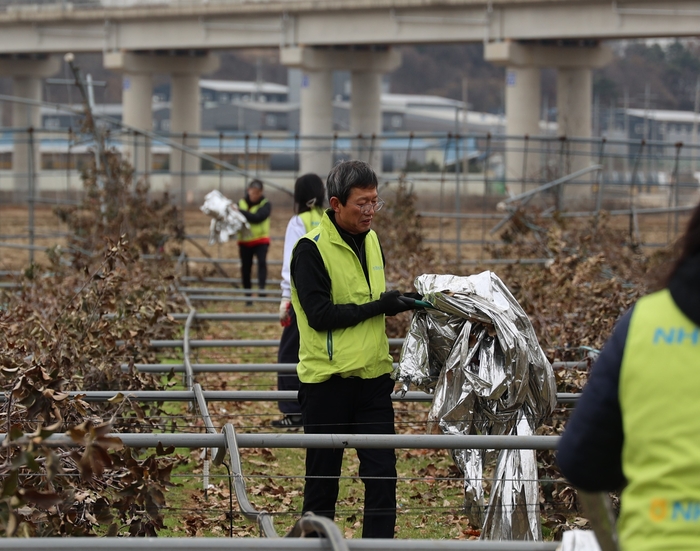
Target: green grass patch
(430, 495)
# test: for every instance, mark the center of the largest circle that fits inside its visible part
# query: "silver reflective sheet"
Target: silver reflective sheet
(226, 218)
(477, 352)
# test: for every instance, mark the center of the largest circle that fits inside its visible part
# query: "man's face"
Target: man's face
(254, 194)
(349, 216)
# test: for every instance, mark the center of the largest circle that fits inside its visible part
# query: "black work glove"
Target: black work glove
(391, 305)
(416, 296)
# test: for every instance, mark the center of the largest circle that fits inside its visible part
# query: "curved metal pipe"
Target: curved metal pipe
(310, 522)
(189, 375)
(263, 518)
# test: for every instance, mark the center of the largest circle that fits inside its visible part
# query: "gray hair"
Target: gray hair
(347, 175)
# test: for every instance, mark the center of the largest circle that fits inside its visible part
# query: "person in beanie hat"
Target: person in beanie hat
(257, 209)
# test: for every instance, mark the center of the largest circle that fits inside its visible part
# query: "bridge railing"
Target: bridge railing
(75, 5)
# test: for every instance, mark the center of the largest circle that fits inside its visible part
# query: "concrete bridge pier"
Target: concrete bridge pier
(367, 66)
(137, 94)
(316, 119)
(365, 101)
(574, 98)
(524, 62)
(27, 73)
(522, 104)
(185, 68)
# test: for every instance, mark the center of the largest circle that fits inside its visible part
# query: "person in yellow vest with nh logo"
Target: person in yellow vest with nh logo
(340, 299)
(637, 424)
(256, 209)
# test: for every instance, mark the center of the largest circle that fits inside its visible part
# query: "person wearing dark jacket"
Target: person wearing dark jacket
(636, 426)
(256, 209)
(340, 299)
(309, 194)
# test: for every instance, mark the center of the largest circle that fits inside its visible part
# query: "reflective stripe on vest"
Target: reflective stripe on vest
(311, 218)
(361, 350)
(660, 403)
(257, 231)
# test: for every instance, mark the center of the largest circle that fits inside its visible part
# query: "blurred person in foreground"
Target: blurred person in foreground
(257, 209)
(637, 423)
(340, 299)
(308, 204)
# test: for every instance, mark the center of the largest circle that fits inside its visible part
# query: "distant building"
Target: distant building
(647, 124)
(662, 124)
(53, 119)
(238, 106)
(230, 91)
(234, 109)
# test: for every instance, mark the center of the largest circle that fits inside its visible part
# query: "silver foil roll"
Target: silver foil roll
(514, 511)
(477, 352)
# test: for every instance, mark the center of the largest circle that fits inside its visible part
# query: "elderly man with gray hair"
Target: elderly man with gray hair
(339, 294)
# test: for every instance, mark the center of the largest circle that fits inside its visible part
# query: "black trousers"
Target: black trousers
(288, 353)
(247, 254)
(355, 406)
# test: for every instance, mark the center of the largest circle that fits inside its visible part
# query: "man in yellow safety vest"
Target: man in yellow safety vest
(256, 208)
(340, 299)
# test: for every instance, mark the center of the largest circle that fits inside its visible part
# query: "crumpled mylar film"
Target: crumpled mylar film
(478, 353)
(226, 218)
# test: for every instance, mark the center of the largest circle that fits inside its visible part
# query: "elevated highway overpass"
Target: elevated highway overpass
(92, 26)
(140, 38)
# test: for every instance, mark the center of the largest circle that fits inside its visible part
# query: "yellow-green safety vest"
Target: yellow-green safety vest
(257, 231)
(361, 350)
(660, 404)
(311, 218)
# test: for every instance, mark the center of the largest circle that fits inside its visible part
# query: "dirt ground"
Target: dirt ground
(15, 223)
(440, 233)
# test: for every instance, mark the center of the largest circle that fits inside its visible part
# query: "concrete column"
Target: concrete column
(574, 99)
(185, 120)
(523, 91)
(137, 99)
(185, 68)
(137, 94)
(574, 94)
(366, 115)
(26, 155)
(316, 119)
(27, 74)
(366, 66)
(523, 60)
(523, 101)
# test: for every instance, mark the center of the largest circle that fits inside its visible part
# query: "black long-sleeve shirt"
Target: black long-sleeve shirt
(313, 285)
(590, 451)
(262, 214)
